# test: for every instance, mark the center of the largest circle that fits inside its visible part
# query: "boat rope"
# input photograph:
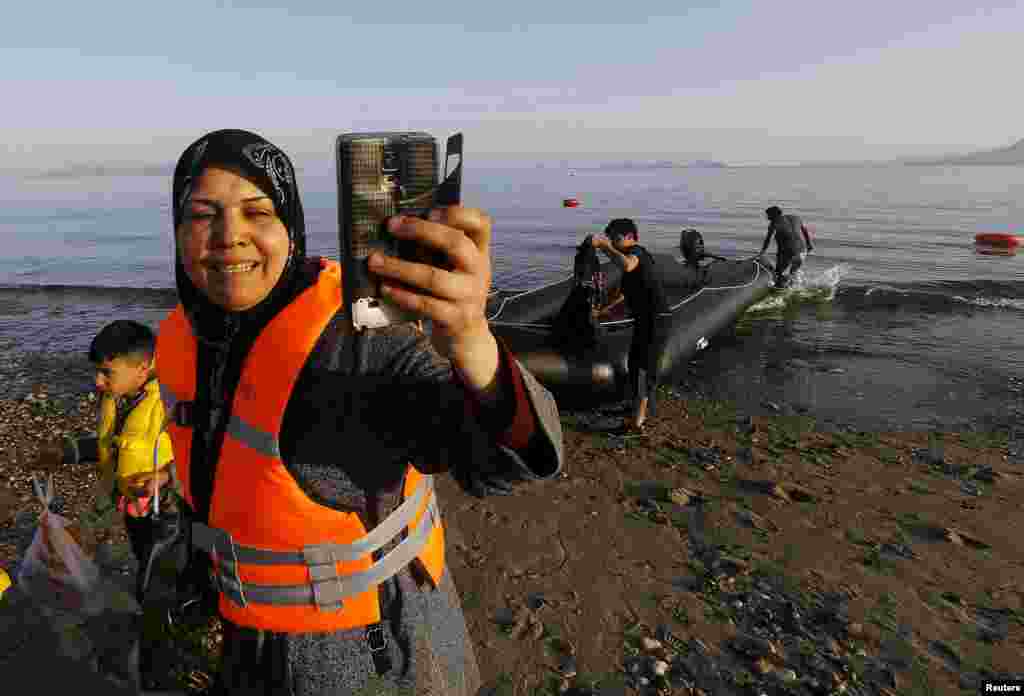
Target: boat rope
(758, 269)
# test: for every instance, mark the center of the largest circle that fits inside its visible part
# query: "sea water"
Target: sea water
(897, 320)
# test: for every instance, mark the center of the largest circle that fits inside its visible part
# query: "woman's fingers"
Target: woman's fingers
(448, 230)
(461, 234)
(454, 298)
(475, 223)
(443, 312)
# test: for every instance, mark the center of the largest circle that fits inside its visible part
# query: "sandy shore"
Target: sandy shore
(718, 553)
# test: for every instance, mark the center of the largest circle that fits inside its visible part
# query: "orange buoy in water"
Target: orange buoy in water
(997, 239)
(570, 203)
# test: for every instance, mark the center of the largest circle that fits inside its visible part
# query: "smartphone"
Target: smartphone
(380, 175)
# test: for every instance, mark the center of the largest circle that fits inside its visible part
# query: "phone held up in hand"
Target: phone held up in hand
(380, 175)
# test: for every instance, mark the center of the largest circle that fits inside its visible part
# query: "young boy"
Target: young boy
(131, 417)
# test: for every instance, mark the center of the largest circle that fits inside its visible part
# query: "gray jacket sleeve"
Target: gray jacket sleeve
(482, 462)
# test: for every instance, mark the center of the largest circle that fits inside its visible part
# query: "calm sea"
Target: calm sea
(901, 323)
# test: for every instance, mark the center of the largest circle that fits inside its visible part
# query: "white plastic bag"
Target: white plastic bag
(56, 572)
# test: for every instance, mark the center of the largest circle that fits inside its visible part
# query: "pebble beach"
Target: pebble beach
(722, 553)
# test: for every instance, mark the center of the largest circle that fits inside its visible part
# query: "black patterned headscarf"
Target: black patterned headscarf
(270, 169)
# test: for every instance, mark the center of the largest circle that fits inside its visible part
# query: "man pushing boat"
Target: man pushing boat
(790, 248)
(646, 299)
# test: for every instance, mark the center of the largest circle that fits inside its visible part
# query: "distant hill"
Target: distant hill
(76, 171)
(662, 164)
(1012, 155)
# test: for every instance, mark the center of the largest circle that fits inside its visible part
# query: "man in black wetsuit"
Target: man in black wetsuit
(791, 250)
(646, 299)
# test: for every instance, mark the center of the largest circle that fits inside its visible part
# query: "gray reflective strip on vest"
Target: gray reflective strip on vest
(329, 591)
(401, 517)
(326, 589)
(260, 440)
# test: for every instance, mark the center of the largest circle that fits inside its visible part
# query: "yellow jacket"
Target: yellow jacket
(128, 452)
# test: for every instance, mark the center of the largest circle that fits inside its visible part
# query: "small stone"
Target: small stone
(987, 474)
(753, 520)
(536, 630)
(687, 582)
(898, 550)
(681, 496)
(518, 630)
(660, 668)
(523, 623)
(970, 489)
(650, 644)
(801, 494)
(974, 542)
(567, 667)
(505, 617)
(752, 646)
(643, 681)
(731, 565)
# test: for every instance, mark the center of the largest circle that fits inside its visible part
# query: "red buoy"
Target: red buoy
(570, 203)
(997, 239)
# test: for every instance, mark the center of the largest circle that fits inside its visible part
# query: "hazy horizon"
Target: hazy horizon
(741, 84)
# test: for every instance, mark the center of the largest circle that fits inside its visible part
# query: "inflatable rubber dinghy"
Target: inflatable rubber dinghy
(574, 334)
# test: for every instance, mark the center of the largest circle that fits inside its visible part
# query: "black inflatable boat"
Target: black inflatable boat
(575, 333)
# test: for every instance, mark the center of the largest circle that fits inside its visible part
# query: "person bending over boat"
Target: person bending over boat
(691, 246)
(646, 299)
(791, 250)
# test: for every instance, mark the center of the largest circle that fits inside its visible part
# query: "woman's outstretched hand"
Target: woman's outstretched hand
(453, 298)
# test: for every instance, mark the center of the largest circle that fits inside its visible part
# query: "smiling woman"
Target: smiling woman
(233, 246)
(310, 452)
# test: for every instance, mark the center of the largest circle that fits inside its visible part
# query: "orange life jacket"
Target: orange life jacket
(284, 562)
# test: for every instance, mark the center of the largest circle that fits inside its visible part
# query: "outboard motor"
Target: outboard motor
(691, 244)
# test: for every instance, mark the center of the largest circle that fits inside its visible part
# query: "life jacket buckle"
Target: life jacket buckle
(183, 414)
(376, 638)
(328, 590)
(219, 544)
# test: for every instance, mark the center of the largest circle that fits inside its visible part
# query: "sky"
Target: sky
(741, 82)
